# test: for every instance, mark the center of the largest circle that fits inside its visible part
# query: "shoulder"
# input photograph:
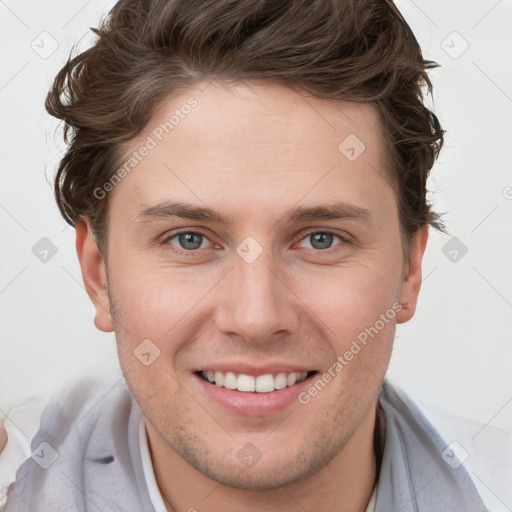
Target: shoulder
(54, 415)
(78, 422)
(83, 404)
(483, 450)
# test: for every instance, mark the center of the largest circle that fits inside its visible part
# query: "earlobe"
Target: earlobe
(412, 281)
(94, 274)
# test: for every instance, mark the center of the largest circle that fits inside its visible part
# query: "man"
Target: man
(247, 182)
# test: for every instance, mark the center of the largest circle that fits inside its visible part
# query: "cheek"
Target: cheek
(152, 299)
(149, 306)
(347, 300)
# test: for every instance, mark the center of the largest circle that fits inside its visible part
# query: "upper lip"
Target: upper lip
(254, 370)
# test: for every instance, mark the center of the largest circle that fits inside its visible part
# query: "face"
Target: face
(255, 278)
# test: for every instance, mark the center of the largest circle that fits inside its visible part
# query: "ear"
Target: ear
(94, 274)
(412, 281)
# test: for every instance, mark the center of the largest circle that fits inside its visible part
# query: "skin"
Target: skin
(253, 152)
(3, 437)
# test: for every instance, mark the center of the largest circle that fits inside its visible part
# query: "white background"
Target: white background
(456, 352)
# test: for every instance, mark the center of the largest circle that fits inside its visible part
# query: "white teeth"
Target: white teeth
(280, 381)
(248, 383)
(265, 383)
(230, 381)
(219, 379)
(291, 379)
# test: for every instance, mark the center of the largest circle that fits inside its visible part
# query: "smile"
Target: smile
(254, 384)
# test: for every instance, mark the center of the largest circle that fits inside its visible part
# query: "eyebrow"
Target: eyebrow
(335, 211)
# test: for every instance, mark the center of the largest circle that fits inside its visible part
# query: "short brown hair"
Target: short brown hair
(148, 50)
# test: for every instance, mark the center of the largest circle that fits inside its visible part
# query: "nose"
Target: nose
(257, 303)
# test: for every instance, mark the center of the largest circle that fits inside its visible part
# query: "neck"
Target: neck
(345, 483)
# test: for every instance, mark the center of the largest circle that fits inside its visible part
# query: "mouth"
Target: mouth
(248, 390)
(245, 383)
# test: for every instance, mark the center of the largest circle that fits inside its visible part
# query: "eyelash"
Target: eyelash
(343, 239)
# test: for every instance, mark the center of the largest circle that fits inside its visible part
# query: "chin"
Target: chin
(248, 468)
(262, 478)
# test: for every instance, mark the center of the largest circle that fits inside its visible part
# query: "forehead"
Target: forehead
(254, 140)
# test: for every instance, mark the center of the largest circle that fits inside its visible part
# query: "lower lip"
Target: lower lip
(254, 404)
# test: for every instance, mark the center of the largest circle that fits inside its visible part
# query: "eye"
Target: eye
(321, 240)
(189, 241)
(193, 241)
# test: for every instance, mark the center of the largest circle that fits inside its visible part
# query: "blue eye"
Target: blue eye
(321, 240)
(188, 240)
(193, 241)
